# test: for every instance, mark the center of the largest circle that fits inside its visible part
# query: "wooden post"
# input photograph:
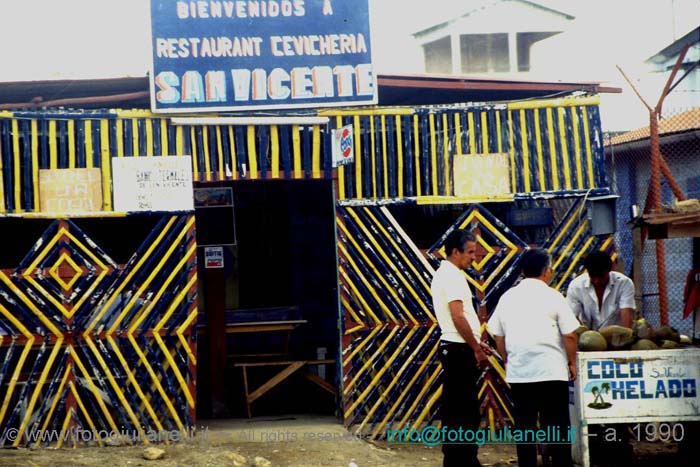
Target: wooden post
(637, 257)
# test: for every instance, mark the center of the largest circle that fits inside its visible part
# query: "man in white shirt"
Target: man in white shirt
(534, 332)
(601, 297)
(461, 352)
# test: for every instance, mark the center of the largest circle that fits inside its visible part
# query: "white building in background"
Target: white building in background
(486, 39)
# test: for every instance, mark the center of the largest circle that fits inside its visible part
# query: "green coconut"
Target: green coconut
(592, 341)
(617, 336)
(685, 340)
(644, 344)
(581, 329)
(669, 344)
(641, 329)
(667, 333)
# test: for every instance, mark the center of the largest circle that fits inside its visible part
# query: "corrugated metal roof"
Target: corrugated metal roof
(679, 123)
(394, 90)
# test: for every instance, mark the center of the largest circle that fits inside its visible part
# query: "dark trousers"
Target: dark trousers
(548, 400)
(459, 403)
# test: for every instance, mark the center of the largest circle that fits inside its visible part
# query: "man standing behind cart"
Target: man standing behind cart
(534, 330)
(601, 297)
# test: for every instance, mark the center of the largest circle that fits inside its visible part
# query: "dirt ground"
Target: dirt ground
(283, 441)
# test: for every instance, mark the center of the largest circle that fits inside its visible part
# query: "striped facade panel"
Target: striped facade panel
(93, 346)
(31, 141)
(553, 146)
(391, 374)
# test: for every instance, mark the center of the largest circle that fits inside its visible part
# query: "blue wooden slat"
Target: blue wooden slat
(409, 175)
(263, 133)
(199, 138)
(27, 188)
(128, 135)
(440, 145)
(367, 191)
(213, 152)
(241, 149)
(285, 150)
(306, 151)
(143, 143)
(391, 155)
(80, 143)
(327, 152)
(8, 165)
(43, 143)
(424, 130)
(477, 131)
(157, 146)
(62, 128)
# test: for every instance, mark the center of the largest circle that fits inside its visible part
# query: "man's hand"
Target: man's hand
(481, 359)
(572, 371)
(486, 348)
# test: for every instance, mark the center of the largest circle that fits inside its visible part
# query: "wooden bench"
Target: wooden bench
(289, 368)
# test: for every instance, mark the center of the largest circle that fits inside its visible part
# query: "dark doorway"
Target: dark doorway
(279, 264)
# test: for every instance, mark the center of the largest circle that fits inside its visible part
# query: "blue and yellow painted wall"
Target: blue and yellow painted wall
(141, 358)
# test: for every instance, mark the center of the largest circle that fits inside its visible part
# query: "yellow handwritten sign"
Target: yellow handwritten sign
(481, 175)
(70, 190)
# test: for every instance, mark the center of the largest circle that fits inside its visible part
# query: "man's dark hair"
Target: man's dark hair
(458, 239)
(597, 264)
(534, 262)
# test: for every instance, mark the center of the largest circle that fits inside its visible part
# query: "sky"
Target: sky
(70, 39)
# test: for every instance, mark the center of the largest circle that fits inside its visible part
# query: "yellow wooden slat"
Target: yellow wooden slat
(219, 154)
(577, 149)
(564, 150)
(195, 159)
(17, 159)
(149, 137)
(164, 149)
(316, 153)
(53, 145)
(433, 153)
(540, 156)
(34, 128)
(399, 155)
(296, 148)
(120, 137)
(135, 138)
(525, 151)
(416, 154)
(207, 153)
(358, 158)
(385, 159)
(589, 155)
(106, 166)
(372, 157)
(446, 155)
(252, 153)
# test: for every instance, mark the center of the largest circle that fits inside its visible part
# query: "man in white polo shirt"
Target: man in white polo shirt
(533, 327)
(460, 352)
(600, 296)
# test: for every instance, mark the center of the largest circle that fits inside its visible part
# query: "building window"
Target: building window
(484, 53)
(438, 56)
(524, 41)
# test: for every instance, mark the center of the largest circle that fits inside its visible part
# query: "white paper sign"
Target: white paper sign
(152, 183)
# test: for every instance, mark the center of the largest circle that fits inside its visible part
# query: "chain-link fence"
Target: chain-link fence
(628, 158)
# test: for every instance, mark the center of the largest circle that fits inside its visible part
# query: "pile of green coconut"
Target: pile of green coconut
(641, 336)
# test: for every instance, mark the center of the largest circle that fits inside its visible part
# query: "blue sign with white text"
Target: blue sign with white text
(260, 54)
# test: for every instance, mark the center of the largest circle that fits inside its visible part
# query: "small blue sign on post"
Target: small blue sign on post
(260, 54)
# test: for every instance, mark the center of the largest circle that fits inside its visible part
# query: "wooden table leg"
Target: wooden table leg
(245, 389)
